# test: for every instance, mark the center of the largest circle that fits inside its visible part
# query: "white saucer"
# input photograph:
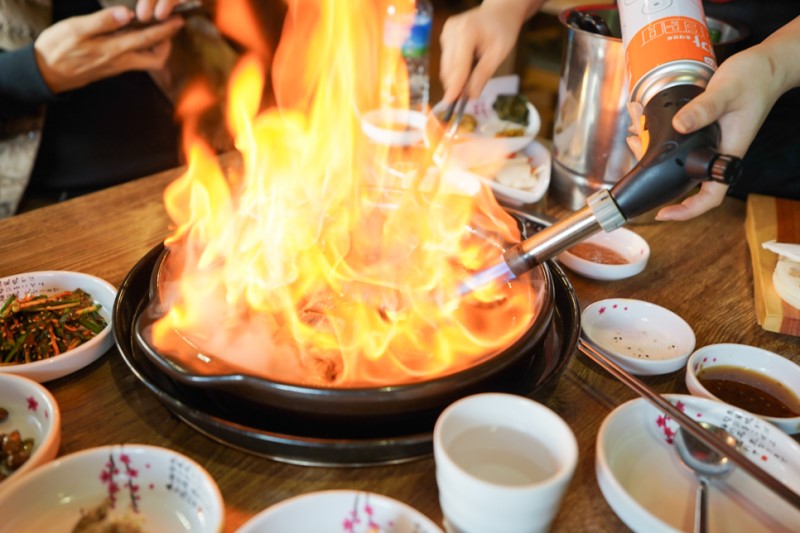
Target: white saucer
(644, 482)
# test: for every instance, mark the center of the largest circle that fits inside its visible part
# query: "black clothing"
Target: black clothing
(772, 163)
(105, 133)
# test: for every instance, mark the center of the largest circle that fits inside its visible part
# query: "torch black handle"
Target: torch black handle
(673, 163)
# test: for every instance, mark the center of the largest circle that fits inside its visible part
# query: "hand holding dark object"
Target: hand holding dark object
(80, 50)
(160, 10)
(738, 97)
(149, 15)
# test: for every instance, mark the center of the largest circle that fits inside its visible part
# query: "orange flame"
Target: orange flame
(299, 264)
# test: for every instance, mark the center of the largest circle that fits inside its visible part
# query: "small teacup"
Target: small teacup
(503, 463)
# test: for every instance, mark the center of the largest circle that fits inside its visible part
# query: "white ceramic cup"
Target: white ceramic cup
(503, 463)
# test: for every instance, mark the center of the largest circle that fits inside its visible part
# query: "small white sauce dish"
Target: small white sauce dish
(153, 488)
(32, 411)
(769, 364)
(643, 338)
(340, 510)
(51, 282)
(630, 245)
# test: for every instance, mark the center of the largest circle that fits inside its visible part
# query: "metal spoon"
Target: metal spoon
(706, 465)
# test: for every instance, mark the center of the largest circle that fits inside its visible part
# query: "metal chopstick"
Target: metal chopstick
(438, 155)
(686, 423)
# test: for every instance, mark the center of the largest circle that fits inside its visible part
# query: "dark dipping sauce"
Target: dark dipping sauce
(597, 254)
(750, 390)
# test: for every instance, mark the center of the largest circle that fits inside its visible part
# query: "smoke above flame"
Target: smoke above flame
(308, 257)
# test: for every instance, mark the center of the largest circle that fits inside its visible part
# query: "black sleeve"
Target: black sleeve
(22, 87)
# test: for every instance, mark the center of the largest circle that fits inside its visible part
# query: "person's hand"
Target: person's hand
(80, 50)
(738, 97)
(158, 9)
(488, 33)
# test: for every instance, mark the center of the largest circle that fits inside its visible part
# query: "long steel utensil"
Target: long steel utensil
(439, 153)
(687, 424)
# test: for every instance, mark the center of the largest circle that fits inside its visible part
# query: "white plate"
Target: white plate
(643, 338)
(157, 488)
(32, 411)
(644, 482)
(337, 511)
(53, 281)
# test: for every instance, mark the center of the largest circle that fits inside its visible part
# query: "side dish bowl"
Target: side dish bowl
(760, 368)
(34, 413)
(538, 162)
(152, 488)
(51, 282)
(340, 510)
(625, 244)
(643, 338)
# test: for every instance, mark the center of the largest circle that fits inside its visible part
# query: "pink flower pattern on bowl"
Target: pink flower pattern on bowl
(755, 434)
(361, 518)
(123, 480)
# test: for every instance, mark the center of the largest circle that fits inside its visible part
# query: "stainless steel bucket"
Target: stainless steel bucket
(592, 121)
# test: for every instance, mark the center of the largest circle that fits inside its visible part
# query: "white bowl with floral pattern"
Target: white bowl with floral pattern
(33, 412)
(152, 488)
(341, 511)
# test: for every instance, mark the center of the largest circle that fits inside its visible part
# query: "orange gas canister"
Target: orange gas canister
(666, 43)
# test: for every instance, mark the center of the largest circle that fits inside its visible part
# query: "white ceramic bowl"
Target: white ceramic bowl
(643, 338)
(644, 482)
(334, 511)
(54, 281)
(625, 242)
(155, 488)
(540, 162)
(407, 127)
(483, 146)
(768, 363)
(33, 412)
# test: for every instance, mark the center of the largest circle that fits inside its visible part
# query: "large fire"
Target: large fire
(310, 261)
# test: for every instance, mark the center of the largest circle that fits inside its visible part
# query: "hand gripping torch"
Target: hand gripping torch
(672, 164)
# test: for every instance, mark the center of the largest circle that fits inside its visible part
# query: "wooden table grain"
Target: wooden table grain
(699, 269)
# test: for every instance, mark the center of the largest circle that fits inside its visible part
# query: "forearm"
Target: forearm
(782, 50)
(21, 84)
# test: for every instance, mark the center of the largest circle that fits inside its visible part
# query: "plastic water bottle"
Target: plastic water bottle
(408, 26)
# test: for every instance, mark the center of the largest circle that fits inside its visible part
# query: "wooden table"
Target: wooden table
(700, 269)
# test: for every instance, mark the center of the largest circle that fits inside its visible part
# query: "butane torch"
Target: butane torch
(669, 61)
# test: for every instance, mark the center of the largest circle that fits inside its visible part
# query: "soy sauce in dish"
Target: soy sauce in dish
(750, 390)
(597, 254)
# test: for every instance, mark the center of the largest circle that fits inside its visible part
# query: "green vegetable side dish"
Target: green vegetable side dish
(512, 107)
(38, 327)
